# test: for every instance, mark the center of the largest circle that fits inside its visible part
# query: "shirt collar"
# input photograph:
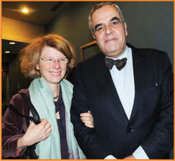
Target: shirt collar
(126, 54)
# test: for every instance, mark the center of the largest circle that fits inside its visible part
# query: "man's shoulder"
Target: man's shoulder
(94, 59)
(149, 55)
(146, 51)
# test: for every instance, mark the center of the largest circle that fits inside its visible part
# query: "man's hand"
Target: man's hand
(130, 157)
(87, 119)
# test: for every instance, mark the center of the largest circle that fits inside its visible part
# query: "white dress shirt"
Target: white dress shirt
(125, 86)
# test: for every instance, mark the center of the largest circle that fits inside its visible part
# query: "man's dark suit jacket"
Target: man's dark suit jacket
(151, 122)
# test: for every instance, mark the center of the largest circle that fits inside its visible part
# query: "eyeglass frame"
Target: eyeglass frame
(53, 61)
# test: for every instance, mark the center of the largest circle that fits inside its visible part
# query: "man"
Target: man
(131, 102)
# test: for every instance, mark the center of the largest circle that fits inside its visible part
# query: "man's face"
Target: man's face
(109, 31)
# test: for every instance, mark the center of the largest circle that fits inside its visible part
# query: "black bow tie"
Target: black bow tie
(120, 63)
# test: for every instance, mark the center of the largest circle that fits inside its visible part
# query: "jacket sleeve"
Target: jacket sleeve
(12, 129)
(160, 141)
(86, 137)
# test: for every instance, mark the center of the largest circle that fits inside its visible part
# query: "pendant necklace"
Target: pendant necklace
(56, 97)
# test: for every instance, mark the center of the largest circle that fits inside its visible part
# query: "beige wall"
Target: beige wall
(20, 31)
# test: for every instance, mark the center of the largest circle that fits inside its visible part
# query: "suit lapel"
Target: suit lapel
(107, 86)
(140, 73)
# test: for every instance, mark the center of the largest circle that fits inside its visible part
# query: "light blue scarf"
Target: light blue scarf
(42, 99)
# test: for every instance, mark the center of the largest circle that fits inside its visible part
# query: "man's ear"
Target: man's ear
(126, 31)
(94, 36)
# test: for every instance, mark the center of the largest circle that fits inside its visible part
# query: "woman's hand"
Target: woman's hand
(34, 134)
(87, 119)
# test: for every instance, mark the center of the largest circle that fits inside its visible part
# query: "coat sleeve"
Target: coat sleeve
(86, 137)
(12, 129)
(160, 141)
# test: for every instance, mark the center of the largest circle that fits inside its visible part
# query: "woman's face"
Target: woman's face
(52, 65)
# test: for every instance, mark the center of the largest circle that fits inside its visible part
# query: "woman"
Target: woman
(47, 59)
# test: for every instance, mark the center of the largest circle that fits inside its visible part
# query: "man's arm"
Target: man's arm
(160, 140)
(86, 137)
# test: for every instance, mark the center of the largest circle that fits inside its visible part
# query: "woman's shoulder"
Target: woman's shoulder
(66, 86)
(65, 82)
(18, 102)
(16, 99)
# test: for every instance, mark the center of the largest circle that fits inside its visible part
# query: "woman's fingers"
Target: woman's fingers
(37, 133)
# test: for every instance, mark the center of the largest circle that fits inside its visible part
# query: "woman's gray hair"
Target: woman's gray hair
(98, 6)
